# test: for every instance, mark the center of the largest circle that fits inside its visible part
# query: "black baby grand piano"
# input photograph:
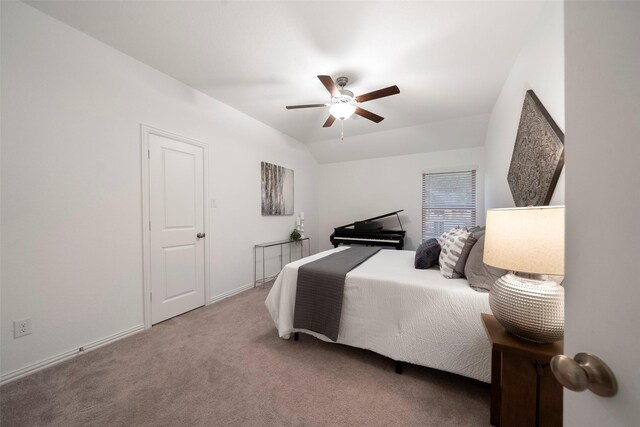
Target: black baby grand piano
(370, 233)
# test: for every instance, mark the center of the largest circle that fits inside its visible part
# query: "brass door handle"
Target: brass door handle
(584, 371)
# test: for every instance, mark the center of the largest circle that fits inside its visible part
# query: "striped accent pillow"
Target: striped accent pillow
(453, 245)
(446, 234)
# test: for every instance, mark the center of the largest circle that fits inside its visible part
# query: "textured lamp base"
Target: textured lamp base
(530, 309)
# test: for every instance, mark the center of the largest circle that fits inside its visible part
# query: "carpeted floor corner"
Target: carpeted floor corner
(224, 365)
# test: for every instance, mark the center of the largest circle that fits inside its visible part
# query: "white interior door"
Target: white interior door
(176, 213)
(603, 206)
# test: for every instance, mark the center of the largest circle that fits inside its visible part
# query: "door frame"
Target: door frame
(145, 132)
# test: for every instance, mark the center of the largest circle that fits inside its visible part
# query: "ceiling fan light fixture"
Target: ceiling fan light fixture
(342, 110)
(343, 102)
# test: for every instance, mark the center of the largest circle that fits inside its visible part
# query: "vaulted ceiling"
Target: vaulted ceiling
(449, 58)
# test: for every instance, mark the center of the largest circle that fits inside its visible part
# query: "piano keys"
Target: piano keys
(369, 232)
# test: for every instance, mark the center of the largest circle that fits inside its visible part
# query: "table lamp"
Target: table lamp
(528, 242)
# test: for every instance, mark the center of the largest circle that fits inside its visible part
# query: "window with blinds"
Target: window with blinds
(448, 200)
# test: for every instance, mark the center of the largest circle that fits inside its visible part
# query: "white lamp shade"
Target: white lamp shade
(527, 240)
(342, 110)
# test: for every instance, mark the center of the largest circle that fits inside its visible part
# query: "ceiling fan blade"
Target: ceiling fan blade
(329, 121)
(368, 115)
(380, 93)
(327, 81)
(293, 107)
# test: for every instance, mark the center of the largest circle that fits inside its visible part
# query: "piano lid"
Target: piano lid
(376, 217)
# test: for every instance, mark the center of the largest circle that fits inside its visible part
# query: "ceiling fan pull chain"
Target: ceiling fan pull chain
(341, 130)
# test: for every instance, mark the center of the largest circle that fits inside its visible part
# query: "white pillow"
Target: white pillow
(446, 234)
(452, 246)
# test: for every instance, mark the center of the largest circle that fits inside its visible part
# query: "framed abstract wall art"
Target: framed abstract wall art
(277, 190)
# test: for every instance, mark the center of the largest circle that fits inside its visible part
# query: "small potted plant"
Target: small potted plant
(295, 235)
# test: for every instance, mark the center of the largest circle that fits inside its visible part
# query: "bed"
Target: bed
(408, 315)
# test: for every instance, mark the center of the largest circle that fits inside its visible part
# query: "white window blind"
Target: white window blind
(448, 200)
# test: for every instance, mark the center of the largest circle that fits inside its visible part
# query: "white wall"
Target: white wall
(464, 132)
(363, 189)
(603, 178)
(71, 193)
(539, 66)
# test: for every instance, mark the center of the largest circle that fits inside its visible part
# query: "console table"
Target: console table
(281, 244)
(524, 392)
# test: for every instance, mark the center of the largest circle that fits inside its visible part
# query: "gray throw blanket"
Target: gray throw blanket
(321, 287)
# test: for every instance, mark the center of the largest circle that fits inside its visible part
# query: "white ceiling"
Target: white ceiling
(449, 58)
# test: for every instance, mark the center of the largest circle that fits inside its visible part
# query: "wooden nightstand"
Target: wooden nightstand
(524, 392)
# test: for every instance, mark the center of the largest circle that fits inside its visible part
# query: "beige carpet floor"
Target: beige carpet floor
(224, 365)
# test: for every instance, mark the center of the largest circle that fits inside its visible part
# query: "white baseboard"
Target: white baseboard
(231, 293)
(34, 367)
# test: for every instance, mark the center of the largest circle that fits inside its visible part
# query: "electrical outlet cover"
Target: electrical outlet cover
(21, 328)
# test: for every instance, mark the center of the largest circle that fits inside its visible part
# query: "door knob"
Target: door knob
(584, 371)
(200, 235)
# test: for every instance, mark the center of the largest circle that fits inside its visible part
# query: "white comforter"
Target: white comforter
(410, 315)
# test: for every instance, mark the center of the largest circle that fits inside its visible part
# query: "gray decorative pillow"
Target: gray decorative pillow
(458, 269)
(481, 276)
(478, 231)
(452, 252)
(427, 254)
